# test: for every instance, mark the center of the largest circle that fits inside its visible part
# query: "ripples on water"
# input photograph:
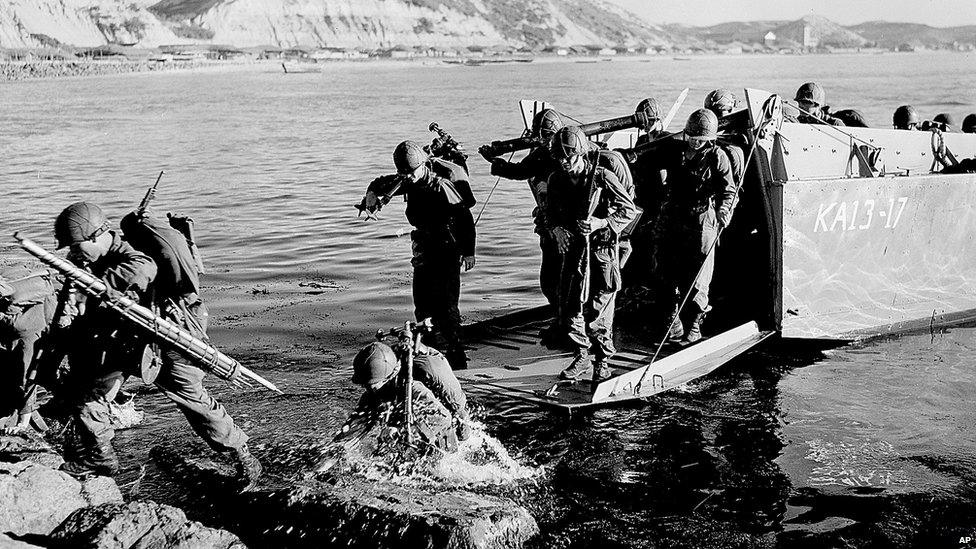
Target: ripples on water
(868, 444)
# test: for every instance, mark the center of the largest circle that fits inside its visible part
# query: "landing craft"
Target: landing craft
(840, 234)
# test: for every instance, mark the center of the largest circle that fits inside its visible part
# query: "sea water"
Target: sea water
(871, 443)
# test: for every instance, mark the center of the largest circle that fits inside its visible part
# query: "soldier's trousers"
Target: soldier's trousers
(683, 251)
(590, 323)
(549, 269)
(182, 383)
(436, 293)
(23, 330)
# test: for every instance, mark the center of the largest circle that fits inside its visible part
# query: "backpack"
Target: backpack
(178, 273)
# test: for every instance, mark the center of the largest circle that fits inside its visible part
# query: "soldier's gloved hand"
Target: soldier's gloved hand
(724, 217)
(591, 224)
(486, 152)
(562, 238)
(371, 202)
(467, 262)
(497, 164)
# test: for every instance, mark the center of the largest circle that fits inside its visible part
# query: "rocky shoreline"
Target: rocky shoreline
(32, 70)
(41, 506)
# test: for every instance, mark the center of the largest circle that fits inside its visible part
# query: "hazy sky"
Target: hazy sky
(938, 13)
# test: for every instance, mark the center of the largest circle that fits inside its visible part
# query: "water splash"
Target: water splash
(481, 460)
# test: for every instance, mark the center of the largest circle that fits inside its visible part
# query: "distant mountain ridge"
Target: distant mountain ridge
(374, 24)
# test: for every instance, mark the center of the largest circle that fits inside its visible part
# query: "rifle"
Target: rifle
(593, 199)
(410, 334)
(160, 329)
(150, 194)
(385, 186)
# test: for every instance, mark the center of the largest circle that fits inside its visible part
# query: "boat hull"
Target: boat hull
(868, 256)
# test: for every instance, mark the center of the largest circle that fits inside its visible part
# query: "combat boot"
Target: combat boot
(247, 467)
(578, 367)
(693, 331)
(457, 358)
(601, 371)
(96, 461)
(676, 331)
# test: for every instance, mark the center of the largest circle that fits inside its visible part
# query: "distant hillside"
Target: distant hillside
(891, 35)
(817, 31)
(826, 33)
(334, 23)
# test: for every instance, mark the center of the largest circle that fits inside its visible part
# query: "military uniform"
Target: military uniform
(434, 371)
(364, 430)
(536, 168)
(697, 188)
(116, 349)
(587, 313)
(22, 325)
(439, 208)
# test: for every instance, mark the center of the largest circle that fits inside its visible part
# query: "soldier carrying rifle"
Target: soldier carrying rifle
(439, 202)
(105, 348)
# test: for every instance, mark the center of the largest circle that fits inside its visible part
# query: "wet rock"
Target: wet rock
(29, 447)
(365, 513)
(354, 511)
(138, 525)
(35, 498)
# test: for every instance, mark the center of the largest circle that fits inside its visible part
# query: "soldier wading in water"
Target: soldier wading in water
(105, 349)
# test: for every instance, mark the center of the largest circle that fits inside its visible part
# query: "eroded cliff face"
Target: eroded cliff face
(335, 23)
(33, 23)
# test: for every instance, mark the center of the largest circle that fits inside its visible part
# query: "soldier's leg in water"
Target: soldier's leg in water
(183, 384)
(89, 449)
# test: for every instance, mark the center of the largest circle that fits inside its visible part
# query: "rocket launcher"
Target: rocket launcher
(498, 148)
(163, 331)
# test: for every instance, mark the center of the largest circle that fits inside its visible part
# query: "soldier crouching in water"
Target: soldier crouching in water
(106, 347)
(439, 406)
(700, 198)
(439, 202)
(587, 208)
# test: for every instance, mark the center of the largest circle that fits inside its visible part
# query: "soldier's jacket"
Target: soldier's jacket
(569, 200)
(378, 409)
(693, 185)
(439, 207)
(538, 164)
(434, 371)
(124, 269)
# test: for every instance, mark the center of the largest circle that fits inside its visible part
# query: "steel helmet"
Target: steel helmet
(546, 123)
(650, 107)
(408, 156)
(702, 124)
(375, 364)
(812, 92)
(904, 116)
(969, 123)
(568, 141)
(944, 118)
(79, 222)
(721, 101)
